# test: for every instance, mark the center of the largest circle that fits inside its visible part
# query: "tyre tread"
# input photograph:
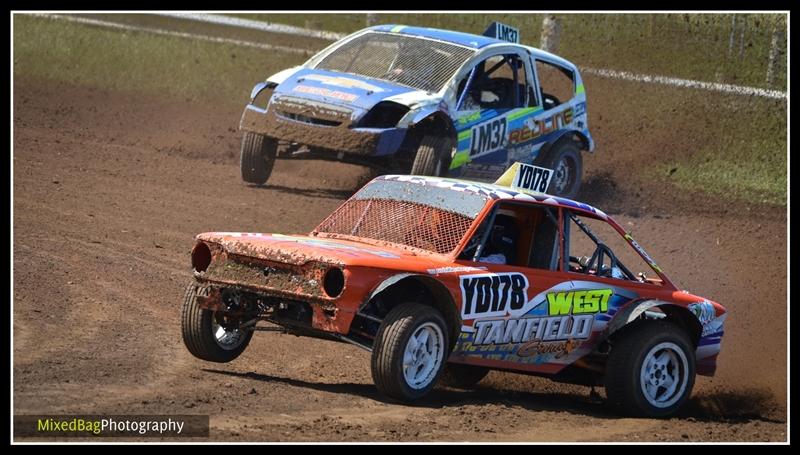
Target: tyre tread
(389, 345)
(621, 371)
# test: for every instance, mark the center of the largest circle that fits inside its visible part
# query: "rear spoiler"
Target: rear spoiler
(503, 32)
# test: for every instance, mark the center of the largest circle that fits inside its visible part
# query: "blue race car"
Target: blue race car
(425, 101)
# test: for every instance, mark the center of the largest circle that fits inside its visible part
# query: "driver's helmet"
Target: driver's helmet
(503, 238)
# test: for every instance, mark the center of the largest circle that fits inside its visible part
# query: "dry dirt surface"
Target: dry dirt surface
(109, 190)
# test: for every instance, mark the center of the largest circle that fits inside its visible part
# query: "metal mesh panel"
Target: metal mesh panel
(415, 62)
(400, 222)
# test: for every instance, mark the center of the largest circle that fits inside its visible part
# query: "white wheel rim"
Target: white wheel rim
(423, 355)
(226, 339)
(664, 375)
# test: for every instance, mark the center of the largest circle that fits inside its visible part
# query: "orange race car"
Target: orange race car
(443, 278)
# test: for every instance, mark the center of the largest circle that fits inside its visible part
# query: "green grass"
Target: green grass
(693, 46)
(136, 61)
(755, 173)
(741, 152)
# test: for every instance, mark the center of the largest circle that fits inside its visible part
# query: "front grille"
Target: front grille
(309, 111)
(248, 271)
(306, 119)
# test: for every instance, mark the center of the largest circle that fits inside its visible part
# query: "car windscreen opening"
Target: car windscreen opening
(415, 62)
(408, 214)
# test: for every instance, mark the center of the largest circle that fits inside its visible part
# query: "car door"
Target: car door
(491, 98)
(510, 318)
(557, 109)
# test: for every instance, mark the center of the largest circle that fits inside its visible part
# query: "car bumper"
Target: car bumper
(364, 142)
(326, 316)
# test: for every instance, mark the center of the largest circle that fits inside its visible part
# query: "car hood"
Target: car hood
(301, 249)
(358, 92)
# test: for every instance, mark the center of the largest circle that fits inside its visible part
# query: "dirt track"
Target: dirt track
(109, 190)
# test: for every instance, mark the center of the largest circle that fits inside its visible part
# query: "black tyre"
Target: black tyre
(564, 159)
(650, 370)
(257, 157)
(433, 156)
(462, 376)
(203, 335)
(409, 351)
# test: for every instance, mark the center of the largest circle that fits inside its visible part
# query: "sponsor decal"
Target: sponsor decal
(536, 128)
(488, 137)
(442, 270)
(532, 178)
(642, 252)
(469, 118)
(344, 82)
(554, 324)
(523, 330)
(324, 244)
(344, 96)
(570, 315)
(707, 316)
(492, 294)
(557, 349)
(704, 311)
(241, 234)
(522, 153)
(579, 302)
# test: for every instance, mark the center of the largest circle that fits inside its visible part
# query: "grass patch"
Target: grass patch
(753, 170)
(138, 61)
(747, 157)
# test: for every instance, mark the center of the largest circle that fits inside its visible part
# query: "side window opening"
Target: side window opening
(597, 249)
(518, 235)
(557, 83)
(499, 82)
(544, 245)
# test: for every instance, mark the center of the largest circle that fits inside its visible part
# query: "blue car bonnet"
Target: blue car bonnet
(342, 89)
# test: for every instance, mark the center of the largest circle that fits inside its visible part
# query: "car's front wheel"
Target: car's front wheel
(207, 334)
(409, 351)
(257, 157)
(650, 370)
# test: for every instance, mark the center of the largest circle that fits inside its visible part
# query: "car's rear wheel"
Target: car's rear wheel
(409, 351)
(462, 376)
(564, 159)
(257, 157)
(433, 156)
(207, 334)
(650, 370)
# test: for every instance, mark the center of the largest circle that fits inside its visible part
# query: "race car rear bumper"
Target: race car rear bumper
(323, 134)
